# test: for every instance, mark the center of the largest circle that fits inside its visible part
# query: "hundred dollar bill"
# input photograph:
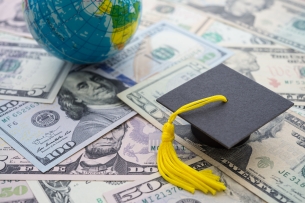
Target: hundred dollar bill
(11, 18)
(160, 46)
(281, 21)
(67, 191)
(155, 189)
(181, 15)
(226, 35)
(123, 154)
(16, 192)
(271, 164)
(86, 108)
(28, 73)
(278, 69)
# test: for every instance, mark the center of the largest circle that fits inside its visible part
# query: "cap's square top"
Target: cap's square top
(249, 105)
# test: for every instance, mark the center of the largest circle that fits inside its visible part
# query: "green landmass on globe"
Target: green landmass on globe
(82, 31)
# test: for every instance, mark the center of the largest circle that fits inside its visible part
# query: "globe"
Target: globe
(82, 31)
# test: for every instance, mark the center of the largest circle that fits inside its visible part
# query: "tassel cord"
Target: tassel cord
(205, 181)
(173, 169)
(176, 182)
(178, 166)
(195, 105)
(191, 176)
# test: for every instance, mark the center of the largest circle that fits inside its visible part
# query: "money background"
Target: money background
(16, 191)
(135, 151)
(188, 15)
(11, 18)
(259, 165)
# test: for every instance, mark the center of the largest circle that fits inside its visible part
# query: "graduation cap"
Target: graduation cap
(226, 125)
(239, 107)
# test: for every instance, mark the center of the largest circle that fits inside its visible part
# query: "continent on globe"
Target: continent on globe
(82, 31)
(123, 26)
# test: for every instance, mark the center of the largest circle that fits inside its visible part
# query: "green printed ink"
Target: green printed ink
(8, 192)
(9, 65)
(165, 9)
(212, 37)
(164, 53)
(264, 162)
(207, 57)
(302, 71)
(299, 24)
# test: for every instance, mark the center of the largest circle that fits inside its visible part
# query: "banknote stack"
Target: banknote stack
(89, 133)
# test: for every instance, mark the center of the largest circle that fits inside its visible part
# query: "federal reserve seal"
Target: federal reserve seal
(188, 200)
(44, 119)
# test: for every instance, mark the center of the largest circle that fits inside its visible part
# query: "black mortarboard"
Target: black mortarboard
(225, 125)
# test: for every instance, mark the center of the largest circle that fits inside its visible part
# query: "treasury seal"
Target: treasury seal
(44, 119)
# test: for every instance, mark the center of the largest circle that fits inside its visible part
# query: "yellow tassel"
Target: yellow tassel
(173, 169)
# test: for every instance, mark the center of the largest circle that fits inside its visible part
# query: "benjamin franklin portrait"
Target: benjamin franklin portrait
(91, 99)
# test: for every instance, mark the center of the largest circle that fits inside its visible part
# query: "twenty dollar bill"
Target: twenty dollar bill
(281, 21)
(281, 70)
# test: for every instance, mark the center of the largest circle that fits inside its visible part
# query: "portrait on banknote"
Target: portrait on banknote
(128, 145)
(85, 109)
(91, 99)
(237, 10)
(12, 19)
(243, 62)
(102, 157)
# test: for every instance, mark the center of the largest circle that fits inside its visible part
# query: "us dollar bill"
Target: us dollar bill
(11, 18)
(271, 164)
(298, 111)
(183, 16)
(158, 49)
(15, 191)
(226, 35)
(10, 37)
(155, 189)
(28, 73)
(86, 108)
(67, 191)
(278, 69)
(281, 21)
(130, 157)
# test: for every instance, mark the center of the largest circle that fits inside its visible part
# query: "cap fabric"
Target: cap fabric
(249, 106)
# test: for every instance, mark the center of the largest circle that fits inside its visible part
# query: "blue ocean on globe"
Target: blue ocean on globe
(82, 31)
